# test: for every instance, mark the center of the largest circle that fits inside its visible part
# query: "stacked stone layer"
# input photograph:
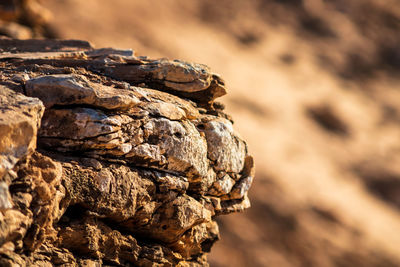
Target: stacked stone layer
(134, 159)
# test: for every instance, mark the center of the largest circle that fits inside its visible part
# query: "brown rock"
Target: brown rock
(126, 175)
(76, 89)
(19, 122)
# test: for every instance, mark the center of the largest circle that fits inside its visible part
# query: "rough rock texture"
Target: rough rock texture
(309, 93)
(133, 160)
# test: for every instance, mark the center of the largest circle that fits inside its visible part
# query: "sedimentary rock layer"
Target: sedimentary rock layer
(111, 159)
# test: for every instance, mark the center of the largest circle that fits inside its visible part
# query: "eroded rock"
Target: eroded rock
(76, 89)
(19, 122)
(135, 159)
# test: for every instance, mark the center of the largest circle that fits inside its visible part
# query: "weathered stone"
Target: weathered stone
(43, 177)
(181, 144)
(76, 89)
(222, 186)
(182, 76)
(78, 123)
(94, 239)
(38, 45)
(5, 198)
(19, 122)
(189, 244)
(225, 148)
(126, 175)
(174, 218)
(242, 186)
(235, 205)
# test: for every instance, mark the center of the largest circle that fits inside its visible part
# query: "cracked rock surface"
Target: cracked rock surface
(111, 159)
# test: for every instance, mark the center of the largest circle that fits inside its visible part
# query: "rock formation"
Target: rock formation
(112, 159)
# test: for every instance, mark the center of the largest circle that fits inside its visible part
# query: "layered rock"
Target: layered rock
(134, 157)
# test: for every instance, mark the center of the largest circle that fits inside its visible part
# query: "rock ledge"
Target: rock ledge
(107, 158)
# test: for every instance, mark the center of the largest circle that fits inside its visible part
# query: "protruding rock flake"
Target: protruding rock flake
(76, 89)
(109, 158)
(5, 198)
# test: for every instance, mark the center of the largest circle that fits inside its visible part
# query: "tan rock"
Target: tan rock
(126, 175)
(5, 198)
(19, 123)
(225, 148)
(76, 89)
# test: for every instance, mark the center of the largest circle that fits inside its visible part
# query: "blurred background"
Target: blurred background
(314, 89)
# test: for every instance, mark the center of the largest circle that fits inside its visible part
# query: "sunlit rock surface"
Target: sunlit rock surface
(133, 159)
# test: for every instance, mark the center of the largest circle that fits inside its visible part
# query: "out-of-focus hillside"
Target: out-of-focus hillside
(314, 89)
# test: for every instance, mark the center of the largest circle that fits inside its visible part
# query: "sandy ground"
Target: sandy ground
(327, 190)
